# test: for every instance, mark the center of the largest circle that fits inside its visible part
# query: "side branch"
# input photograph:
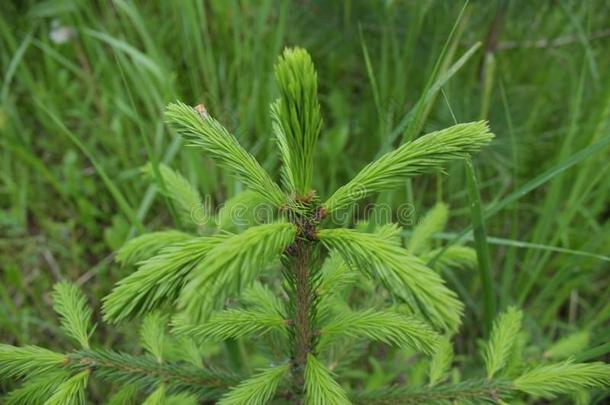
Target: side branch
(472, 390)
(145, 372)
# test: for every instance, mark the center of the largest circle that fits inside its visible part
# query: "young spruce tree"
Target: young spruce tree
(189, 290)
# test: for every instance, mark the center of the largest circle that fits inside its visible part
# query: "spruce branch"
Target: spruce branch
(71, 305)
(261, 298)
(456, 257)
(335, 275)
(561, 378)
(148, 245)
(329, 308)
(320, 387)
(429, 152)
(403, 274)
(241, 211)
(207, 133)
(152, 334)
(467, 392)
(159, 280)
(434, 221)
(391, 232)
(178, 189)
(183, 348)
(441, 360)
(146, 373)
(37, 390)
(126, 395)
(71, 391)
(568, 346)
(27, 361)
(505, 330)
(233, 265)
(296, 118)
(158, 396)
(258, 389)
(233, 323)
(384, 326)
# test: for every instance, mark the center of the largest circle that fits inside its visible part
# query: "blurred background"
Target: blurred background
(84, 84)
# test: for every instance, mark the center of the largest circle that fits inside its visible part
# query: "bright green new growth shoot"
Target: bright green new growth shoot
(205, 132)
(193, 292)
(296, 118)
(503, 335)
(71, 305)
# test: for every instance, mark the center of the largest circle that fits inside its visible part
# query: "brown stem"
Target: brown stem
(302, 309)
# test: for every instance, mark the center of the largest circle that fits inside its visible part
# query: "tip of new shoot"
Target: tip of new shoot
(295, 66)
(294, 54)
(188, 121)
(485, 129)
(476, 127)
(469, 136)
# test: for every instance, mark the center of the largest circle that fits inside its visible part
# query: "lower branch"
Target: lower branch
(478, 391)
(146, 373)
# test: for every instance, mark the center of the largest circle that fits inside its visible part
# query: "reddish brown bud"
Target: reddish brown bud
(321, 214)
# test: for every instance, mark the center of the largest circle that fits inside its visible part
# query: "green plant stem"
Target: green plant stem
(483, 257)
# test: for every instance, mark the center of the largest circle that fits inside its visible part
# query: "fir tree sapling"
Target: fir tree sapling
(285, 285)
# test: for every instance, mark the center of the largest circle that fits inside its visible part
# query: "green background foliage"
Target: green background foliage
(87, 158)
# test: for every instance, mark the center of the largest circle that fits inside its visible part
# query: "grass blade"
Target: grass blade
(483, 257)
(112, 188)
(532, 185)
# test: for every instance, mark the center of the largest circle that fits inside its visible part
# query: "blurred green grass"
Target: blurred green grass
(80, 116)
